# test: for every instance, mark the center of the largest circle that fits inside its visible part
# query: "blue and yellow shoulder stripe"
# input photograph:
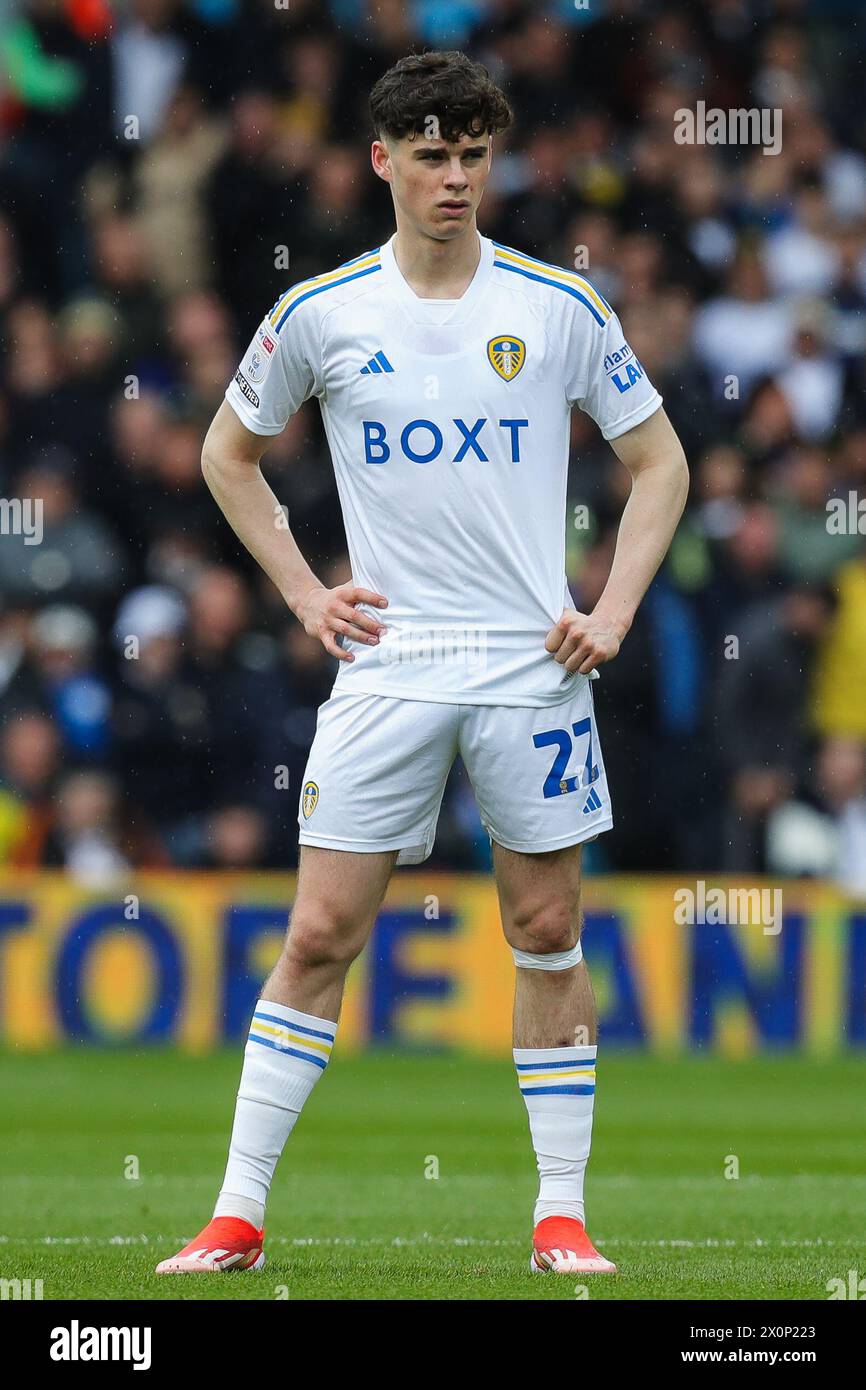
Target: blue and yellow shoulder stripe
(566, 280)
(367, 264)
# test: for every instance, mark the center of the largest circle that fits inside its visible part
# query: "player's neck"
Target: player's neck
(437, 269)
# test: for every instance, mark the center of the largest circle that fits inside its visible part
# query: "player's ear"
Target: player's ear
(380, 157)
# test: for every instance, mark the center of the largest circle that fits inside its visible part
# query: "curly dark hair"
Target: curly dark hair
(459, 93)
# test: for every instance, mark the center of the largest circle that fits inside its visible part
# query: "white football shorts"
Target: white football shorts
(378, 765)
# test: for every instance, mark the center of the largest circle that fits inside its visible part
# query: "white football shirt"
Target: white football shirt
(448, 424)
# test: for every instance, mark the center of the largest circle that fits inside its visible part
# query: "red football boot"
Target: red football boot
(560, 1245)
(226, 1243)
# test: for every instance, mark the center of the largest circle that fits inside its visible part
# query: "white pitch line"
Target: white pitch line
(708, 1243)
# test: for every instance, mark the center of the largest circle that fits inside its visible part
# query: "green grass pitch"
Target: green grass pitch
(353, 1215)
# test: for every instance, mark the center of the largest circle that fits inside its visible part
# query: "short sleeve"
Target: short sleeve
(276, 375)
(607, 380)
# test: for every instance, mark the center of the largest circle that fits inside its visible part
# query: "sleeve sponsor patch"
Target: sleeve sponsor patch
(246, 389)
(266, 340)
(622, 368)
(260, 354)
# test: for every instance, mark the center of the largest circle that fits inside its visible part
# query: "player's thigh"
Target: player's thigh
(338, 896)
(538, 774)
(376, 774)
(539, 897)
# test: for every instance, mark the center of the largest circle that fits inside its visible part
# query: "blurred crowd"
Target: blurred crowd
(162, 161)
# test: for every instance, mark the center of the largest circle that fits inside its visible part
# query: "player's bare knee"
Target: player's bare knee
(322, 940)
(544, 928)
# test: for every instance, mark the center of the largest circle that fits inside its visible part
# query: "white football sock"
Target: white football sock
(558, 1085)
(285, 1055)
(230, 1204)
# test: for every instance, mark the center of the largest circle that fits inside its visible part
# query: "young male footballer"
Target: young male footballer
(446, 367)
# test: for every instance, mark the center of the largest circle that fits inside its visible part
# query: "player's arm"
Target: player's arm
(230, 463)
(653, 455)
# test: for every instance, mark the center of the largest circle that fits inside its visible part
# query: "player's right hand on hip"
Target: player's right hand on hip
(329, 613)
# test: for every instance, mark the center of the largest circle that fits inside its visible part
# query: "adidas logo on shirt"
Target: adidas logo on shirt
(593, 802)
(377, 365)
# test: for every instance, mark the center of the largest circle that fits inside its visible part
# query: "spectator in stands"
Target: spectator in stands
(825, 836)
(744, 333)
(60, 678)
(839, 704)
(29, 767)
(759, 718)
(170, 179)
(77, 557)
(808, 548)
(94, 836)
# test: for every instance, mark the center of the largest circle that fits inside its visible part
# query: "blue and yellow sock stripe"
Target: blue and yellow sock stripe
(556, 1078)
(291, 1038)
(566, 280)
(368, 264)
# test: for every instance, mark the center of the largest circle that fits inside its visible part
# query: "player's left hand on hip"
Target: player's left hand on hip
(581, 642)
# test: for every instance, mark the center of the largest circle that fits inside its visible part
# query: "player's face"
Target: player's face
(437, 186)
